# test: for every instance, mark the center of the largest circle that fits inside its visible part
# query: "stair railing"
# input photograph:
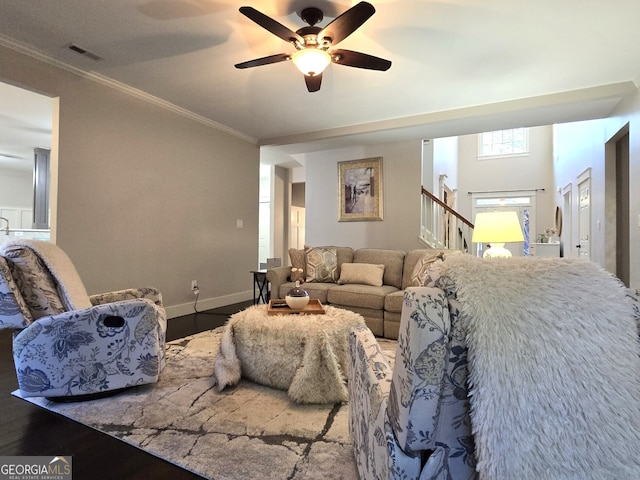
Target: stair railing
(442, 226)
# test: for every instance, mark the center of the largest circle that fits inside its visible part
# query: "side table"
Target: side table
(261, 286)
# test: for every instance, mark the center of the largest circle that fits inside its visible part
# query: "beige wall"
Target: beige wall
(580, 146)
(402, 181)
(400, 227)
(146, 196)
(530, 172)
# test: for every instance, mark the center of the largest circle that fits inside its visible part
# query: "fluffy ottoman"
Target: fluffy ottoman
(306, 355)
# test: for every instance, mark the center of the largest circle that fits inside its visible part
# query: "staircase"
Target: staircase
(442, 226)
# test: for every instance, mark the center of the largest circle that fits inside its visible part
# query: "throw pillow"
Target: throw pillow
(420, 270)
(433, 274)
(438, 277)
(362, 274)
(322, 264)
(298, 265)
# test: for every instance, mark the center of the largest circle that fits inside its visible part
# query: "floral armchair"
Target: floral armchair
(68, 343)
(413, 421)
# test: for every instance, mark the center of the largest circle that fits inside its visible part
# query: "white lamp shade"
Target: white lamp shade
(311, 61)
(497, 227)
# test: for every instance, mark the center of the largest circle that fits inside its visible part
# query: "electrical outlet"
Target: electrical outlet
(194, 285)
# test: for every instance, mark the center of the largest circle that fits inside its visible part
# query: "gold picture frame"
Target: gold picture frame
(360, 190)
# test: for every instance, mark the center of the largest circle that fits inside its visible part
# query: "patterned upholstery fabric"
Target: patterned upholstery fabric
(322, 264)
(14, 312)
(116, 343)
(128, 294)
(37, 286)
(377, 453)
(423, 407)
(103, 348)
(429, 384)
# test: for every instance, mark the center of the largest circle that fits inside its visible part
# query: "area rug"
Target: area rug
(248, 431)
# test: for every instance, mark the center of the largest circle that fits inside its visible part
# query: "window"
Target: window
(502, 202)
(502, 143)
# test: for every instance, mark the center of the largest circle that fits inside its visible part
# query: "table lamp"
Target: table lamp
(497, 228)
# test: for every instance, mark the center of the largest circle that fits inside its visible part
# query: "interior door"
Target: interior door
(584, 218)
(566, 239)
(297, 234)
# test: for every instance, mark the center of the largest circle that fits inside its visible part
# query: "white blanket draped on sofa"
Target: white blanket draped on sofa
(554, 368)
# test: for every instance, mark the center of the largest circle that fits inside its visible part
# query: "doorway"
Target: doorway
(584, 215)
(28, 160)
(566, 237)
(521, 202)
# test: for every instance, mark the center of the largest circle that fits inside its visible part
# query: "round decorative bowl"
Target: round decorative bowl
(297, 298)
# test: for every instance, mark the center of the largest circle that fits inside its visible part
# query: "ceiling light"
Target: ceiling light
(311, 61)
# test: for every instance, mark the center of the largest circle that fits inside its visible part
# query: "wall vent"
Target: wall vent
(84, 52)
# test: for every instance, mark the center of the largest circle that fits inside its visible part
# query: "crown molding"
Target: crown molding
(116, 85)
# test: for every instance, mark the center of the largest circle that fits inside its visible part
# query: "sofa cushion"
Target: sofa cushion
(364, 296)
(393, 302)
(298, 265)
(345, 255)
(322, 264)
(362, 273)
(393, 261)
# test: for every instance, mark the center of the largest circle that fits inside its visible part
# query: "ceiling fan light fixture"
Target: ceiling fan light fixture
(311, 61)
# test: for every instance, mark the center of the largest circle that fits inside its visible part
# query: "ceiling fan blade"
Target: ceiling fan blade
(313, 83)
(280, 57)
(347, 23)
(359, 60)
(270, 24)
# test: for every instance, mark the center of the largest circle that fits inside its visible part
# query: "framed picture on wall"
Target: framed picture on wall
(360, 190)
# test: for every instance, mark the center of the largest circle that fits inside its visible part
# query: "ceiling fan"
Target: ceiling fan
(313, 44)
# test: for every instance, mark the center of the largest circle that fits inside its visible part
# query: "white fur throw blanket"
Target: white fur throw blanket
(306, 355)
(554, 368)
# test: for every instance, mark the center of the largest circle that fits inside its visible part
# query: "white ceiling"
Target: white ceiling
(458, 65)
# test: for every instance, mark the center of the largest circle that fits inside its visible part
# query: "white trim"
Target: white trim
(116, 85)
(586, 174)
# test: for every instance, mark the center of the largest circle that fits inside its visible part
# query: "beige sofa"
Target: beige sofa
(380, 306)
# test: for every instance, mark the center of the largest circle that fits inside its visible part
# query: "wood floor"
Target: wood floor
(29, 430)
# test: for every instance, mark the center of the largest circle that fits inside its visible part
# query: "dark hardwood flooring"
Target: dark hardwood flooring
(26, 429)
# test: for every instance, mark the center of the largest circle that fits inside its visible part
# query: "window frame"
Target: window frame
(525, 153)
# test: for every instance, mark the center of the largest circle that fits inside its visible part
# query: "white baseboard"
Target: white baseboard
(174, 311)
